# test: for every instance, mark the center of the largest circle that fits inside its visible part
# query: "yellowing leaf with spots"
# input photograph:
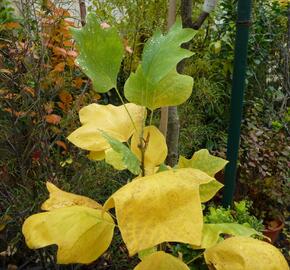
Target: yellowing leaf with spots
(155, 147)
(114, 120)
(161, 261)
(245, 253)
(208, 190)
(60, 199)
(203, 161)
(82, 234)
(163, 207)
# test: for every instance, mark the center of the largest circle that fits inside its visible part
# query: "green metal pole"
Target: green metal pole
(239, 75)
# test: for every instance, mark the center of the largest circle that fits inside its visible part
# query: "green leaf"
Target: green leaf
(163, 52)
(211, 233)
(146, 252)
(101, 53)
(172, 90)
(128, 158)
(115, 159)
(156, 82)
(203, 161)
(162, 168)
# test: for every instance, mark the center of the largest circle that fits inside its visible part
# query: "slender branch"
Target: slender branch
(151, 118)
(122, 100)
(143, 146)
(194, 258)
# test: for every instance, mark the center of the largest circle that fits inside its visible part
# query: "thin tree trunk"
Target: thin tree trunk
(164, 110)
(172, 137)
(83, 11)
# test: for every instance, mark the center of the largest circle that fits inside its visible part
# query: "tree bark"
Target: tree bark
(83, 11)
(164, 110)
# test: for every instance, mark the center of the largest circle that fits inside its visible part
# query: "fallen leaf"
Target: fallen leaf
(65, 97)
(71, 53)
(52, 119)
(12, 25)
(59, 51)
(61, 144)
(29, 90)
(59, 67)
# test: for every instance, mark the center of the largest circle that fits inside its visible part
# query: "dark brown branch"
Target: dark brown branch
(83, 11)
(186, 11)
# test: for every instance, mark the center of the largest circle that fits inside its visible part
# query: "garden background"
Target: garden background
(42, 90)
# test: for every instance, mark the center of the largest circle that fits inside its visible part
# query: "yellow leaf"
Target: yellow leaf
(161, 261)
(60, 199)
(203, 161)
(96, 155)
(156, 148)
(245, 253)
(208, 190)
(114, 120)
(163, 207)
(82, 234)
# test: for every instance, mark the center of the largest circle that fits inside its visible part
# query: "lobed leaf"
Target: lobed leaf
(211, 233)
(245, 253)
(111, 119)
(100, 53)
(161, 261)
(208, 190)
(82, 234)
(59, 199)
(163, 207)
(203, 161)
(156, 82)
(172, 90)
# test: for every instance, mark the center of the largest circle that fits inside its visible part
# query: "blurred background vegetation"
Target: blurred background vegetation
(42, 90)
